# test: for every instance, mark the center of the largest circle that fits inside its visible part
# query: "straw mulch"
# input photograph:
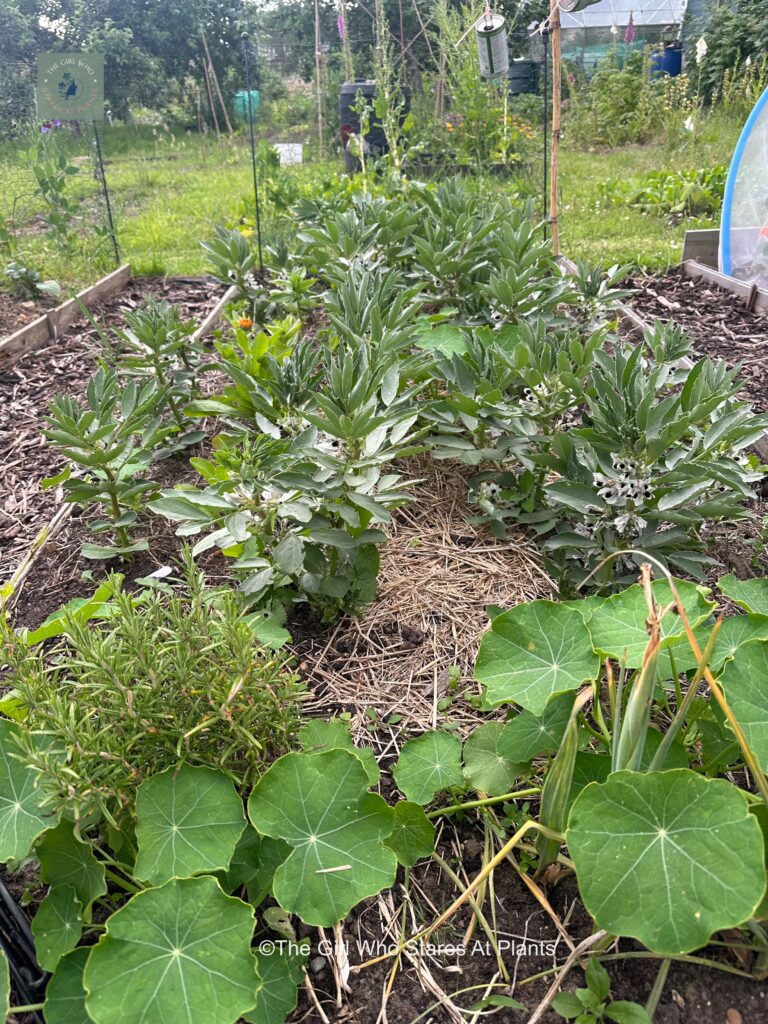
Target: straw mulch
(421, 636)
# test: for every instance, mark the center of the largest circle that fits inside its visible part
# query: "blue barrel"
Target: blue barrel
(668, 61)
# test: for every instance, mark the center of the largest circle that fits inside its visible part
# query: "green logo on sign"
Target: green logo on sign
(70, 86)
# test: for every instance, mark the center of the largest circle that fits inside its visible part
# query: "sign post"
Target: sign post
(70, 87)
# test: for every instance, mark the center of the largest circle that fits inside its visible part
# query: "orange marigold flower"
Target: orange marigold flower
(245, 322)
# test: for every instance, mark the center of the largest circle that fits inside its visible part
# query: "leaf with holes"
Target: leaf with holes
(527, 735)
(751, 595)
(413, 836)
(427, 765)
(189, 821)
(66, 860)
(281, 973)
(533, 651)
(486, 769)
(64, 994)
(180, 952)
(22, 819)
(320, 805)
(666, 858)
(743, 680)
(618, 624)
(57, 926)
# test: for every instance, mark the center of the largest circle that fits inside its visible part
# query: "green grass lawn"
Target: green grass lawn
(170, 192)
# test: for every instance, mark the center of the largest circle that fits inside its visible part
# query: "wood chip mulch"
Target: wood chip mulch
(27, 389)
(717, 321)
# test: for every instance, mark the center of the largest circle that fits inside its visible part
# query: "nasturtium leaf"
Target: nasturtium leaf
(527, 735)
(253, 865)
(22, 819)
(413, 836)
(66, 860)
(618, 625)
(428, 764)
(320, 805)
(5, 986)
(57, 926)
(272, 853)
(533, 651)
(64, 994)
(180, 952)
(268, 630)
(734, 632)
(445, 338)
(188, 821)
(666, 858)
(751, 595)
(743, 680)
(485, 769)
(327, 734)
(281, 971)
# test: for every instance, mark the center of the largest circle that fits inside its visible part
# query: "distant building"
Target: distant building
(588, 35)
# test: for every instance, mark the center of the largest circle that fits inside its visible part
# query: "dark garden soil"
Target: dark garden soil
(27, 389)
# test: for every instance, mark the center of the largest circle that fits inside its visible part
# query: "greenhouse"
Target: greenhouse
(589, 34)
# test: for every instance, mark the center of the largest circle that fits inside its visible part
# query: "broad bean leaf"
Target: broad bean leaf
(188, 821)
(413, 836)
(751, 595)
(57, 926)
(22, 819)
(533, 651)
(485, 767)
(527, 735)
(743, 680)
(618, 625)
(427, 765)
(66, 860)
(180, 952)
(281, 974)
(327, 734)
(65, 994)
(319, 804)
(666, 858)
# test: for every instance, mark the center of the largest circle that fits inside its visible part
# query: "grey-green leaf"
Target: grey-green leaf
(66, 860)
(413, 837)
(57, 926)
(320, 805)
(427, 765)
(180, 952)
(65, 994)
(485, 767)
(533, 651)
(618, 625)
(22, 819)
(666, 858)
(189, 821)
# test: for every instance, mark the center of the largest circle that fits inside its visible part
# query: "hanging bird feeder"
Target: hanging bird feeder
(491, 36)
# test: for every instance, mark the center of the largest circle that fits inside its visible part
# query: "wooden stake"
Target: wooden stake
(318, 82)
(210, 98)
(554, 25)
(214, 76)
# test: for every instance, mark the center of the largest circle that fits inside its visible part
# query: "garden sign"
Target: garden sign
(70, 87)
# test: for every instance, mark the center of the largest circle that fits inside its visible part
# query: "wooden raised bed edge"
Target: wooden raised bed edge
(52, 324)
(65, 510)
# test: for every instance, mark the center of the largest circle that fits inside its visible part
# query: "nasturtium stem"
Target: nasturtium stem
(487, 802)
(658, 988)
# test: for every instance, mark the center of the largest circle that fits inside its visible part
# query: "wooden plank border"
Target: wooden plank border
(755, 299)
(51, 325)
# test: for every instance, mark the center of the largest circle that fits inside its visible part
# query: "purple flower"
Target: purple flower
(629, 35)
(340, 26)
(45, 127)
(56, 123)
